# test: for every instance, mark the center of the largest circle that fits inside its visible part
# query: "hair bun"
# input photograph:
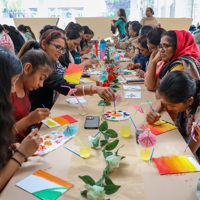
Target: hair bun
(35, 45)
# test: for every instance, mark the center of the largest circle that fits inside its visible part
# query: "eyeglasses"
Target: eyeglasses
(58, 47)
(151, 49)
(164, 47)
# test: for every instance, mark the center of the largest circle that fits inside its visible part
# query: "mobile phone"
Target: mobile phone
(92, 122)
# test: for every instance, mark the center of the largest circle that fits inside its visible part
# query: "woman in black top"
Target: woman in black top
(17, 39)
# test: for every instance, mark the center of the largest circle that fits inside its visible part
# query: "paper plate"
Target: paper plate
(119, 115)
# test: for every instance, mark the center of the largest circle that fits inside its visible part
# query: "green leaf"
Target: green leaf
(116, 86)
(87, 180)
(103, 142)
(96, 142)
(84, 192)
(106, 154)
(101, 103)
(123, 157)
(111, 146)
(112, 188)
(103, 126)
(118, 150)
(115, 81)
(111, 133)
(107, 103)
(108, 181)
(100, 181)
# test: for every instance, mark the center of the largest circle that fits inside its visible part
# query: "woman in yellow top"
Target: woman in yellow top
(149, 20)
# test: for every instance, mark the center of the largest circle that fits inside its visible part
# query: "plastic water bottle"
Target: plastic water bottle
(117, 58)
(93, 51)
(102, 49)
(77, 58)
(112, 52)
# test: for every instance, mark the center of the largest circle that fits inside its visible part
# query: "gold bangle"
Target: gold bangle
(16, 128)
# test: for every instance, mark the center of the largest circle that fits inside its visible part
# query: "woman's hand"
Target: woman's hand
(196, 131)
(106, 93)
(38, 115)
(152, 117)
(140, 73)
(30, 143)
(129, 66)
(157, 57)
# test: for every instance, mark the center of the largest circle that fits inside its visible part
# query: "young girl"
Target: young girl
(10, 161)
(181, 93)
(37, 67)
(47, 94)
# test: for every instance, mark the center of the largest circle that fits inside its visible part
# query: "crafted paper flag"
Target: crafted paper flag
(73, 73)
(59, 121)
(160, 127)
(176, 164)
(44, 185)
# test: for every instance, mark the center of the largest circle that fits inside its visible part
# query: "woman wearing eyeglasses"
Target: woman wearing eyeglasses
(53, 42)
(177, 51)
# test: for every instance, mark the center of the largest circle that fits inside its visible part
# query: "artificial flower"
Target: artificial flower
(95, 192)
(113, 161)
(91, 139)
(111, 77)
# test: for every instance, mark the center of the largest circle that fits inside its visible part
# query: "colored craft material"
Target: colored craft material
(139, 108)
(160, 127)
(73, 152)
(73, 73)
(147, 139)
(117, 115)
(87, 80)
(176, 164)
(72, 91)
(58, 121)
(44, 185)
(52, 141)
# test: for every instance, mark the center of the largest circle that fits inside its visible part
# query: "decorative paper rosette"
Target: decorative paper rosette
(147, 139)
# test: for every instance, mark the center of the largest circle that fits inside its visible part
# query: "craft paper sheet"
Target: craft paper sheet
(53, 140)
(128, 87)
(74, 100)
(176, 164)
(73, 73)
(44, 185)
(160, 127)
(59, 121)
(132, 95)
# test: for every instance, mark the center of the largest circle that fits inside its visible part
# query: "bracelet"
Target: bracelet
(16, 128)
(83, 90)
(16, 161)
(17, 151)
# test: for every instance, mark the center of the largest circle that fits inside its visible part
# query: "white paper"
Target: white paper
(132, 95)
(121, 79)
(95, 72)
(125, 59)
(128, 87)
(34, 183)
(74, 100)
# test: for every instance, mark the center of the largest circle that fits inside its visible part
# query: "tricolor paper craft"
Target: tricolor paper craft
(176, 164)
(87, 80)
(135, 87)
(44, 185)
(160, 127)
(55, 139)
(73, 73)
(58, 121)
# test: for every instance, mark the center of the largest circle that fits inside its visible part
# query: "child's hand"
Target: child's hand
(196, 131)
(38, 115)
(152, 117)
(129, 66)
(140, 74)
